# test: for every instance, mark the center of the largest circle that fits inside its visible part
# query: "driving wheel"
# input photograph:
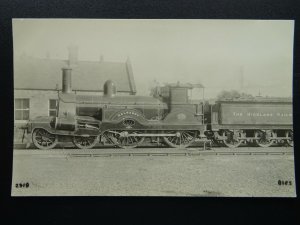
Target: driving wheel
(125, 139)
(181, 139)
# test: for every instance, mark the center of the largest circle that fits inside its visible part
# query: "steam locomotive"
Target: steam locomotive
(169, 116)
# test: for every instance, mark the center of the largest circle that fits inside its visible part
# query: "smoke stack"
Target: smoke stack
(66, 80)
(73, 55)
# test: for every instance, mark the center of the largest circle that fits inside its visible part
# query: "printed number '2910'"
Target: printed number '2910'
(22, 185)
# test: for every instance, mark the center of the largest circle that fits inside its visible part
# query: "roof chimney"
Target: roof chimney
(66, 80)
(101, 58)
(73, 55)
(48, 55)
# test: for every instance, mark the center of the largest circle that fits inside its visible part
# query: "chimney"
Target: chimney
(66, 80)
(73, 55)
(48, 55)
(101, 58)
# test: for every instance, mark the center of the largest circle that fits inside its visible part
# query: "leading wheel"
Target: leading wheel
(264, 138)
(180, 139)
(85, 142)
(232, 139)
(42, 139)
(290, 138)
(125, 139)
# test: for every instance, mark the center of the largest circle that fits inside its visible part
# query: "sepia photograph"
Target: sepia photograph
(153, 107)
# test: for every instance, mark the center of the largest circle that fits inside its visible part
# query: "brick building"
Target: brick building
(37, 82)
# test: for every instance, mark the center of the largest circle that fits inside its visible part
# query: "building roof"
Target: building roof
(46, 74)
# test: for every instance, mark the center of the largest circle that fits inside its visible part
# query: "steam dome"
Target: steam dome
(109, 89)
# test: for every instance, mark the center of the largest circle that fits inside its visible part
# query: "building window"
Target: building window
(22, 109)
(53, 107)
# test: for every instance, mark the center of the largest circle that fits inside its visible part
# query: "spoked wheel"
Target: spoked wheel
(290, 136)
(42, 139)
(85, 142)
(232, 139)
(181, 139)
(125, 139)
(263, 138)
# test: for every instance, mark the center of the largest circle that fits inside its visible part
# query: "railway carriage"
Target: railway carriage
(260, 121)
(169, 116)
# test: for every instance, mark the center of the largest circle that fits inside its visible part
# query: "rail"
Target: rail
(156, 152)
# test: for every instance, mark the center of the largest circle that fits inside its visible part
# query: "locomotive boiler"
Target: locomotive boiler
(169, 116)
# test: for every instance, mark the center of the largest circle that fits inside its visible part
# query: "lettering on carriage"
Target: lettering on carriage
(260, 114)
(284, 114)
(237, 113)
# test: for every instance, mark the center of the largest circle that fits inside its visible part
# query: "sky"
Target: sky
(251, 56)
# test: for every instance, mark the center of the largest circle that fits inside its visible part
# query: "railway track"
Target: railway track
(184, 153)
(157, 152)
